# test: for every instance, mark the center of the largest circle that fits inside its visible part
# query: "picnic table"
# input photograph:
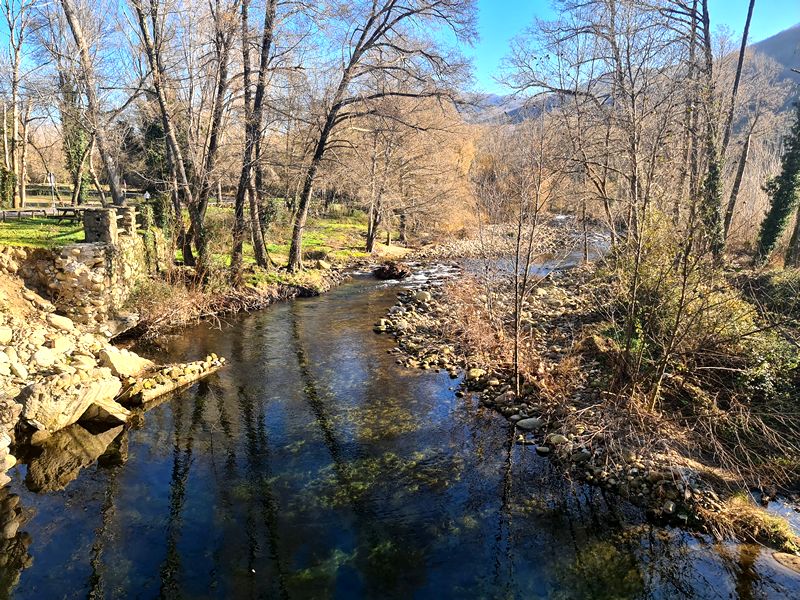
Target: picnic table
(69, 213)
(22, 212)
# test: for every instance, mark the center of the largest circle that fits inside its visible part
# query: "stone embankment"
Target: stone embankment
(54, 374)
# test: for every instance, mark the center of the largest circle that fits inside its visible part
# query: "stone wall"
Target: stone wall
(91, 281)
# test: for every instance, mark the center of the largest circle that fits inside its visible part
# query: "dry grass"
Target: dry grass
(740, 518)
(168, 305)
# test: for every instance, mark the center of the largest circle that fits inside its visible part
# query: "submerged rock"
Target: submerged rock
(423, 296)
(790, 561)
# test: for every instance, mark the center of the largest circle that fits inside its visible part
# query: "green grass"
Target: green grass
(39, 232)
(337, 239)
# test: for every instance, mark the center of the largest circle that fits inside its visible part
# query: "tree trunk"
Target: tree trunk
(157, 73)
(403, 239)
(729, 118)
(15, 163)
(23, 157)
(737, 183)
(296, 249)
(94, 105)
(253, 119)
(77, 177)
(95, 178)
(793, 251)
(6, 155)
(223, 47)
(259, 248)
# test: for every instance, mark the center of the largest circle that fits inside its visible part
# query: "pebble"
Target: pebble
(44, 357)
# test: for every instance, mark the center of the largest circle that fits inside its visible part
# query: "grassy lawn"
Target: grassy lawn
(336, 239)
(39, 232)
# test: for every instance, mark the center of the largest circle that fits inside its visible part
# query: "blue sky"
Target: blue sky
(501, 20)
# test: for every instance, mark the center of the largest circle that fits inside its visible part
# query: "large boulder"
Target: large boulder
(52, 404)
(124, 363)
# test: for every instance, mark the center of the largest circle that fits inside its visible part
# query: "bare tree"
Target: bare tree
(254, 114)
(95, 114)
(384, 37)
(18, 16)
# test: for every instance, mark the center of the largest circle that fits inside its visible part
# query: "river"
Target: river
(314, 466)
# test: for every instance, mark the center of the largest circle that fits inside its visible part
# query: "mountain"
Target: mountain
(783, 48)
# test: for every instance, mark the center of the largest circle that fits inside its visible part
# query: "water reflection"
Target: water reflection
(314, 467)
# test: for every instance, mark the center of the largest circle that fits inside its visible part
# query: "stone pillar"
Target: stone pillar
(127, 219)
(100, 225)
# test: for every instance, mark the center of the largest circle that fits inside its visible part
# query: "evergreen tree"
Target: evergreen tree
(783, 194)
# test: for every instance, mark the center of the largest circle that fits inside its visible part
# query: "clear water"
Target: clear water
(313, 466)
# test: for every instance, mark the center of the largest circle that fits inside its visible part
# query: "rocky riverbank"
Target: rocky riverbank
(562, 411)
(54, 374)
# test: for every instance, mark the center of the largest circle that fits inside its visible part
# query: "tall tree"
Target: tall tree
(399, 40)
(783, 190)
(95, 115)
(254, 113)
(737, 78)
(18, 16)
(150, 20)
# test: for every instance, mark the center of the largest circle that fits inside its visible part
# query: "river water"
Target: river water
(314, 466)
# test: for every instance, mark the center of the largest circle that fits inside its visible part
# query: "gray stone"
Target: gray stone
(423, 296)
(8, 462)
(531, 424)
(61, 344)
(6, 334)
(668, 507)
(19, 370)
(475, 374)
(106, 410)
(557, 438)
(581, 456)
(542, 450)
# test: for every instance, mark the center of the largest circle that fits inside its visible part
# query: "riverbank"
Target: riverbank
(55, 375)
(566, 411)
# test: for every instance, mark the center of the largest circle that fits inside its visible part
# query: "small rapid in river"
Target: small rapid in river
(314, 466)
